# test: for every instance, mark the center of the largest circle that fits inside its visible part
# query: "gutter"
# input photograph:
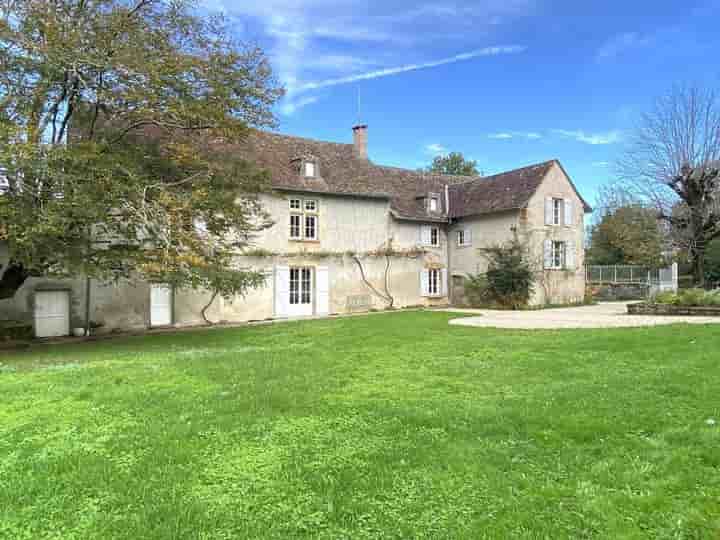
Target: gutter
(448, 273)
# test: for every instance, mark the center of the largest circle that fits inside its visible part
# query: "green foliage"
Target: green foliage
(140, 91)
(288, 431)
(689, 298)
(476, 289)
(510, 277)
(712, 261)
(455, 164)
(627, 235)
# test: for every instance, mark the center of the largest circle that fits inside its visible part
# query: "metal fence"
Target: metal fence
(658, 279)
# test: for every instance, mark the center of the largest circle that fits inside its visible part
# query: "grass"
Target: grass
(386, 426)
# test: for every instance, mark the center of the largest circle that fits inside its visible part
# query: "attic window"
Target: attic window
(309, 169)
(434, 203)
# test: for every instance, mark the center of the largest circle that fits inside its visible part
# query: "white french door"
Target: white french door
(300, 292)
(160, 305)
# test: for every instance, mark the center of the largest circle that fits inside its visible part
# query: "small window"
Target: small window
(434, 204)
(434, 236)
(309, 169)
(558, 255)
(463, 238)
(311, 206)
(4, 182)
(294, 204)
(434, 282)
(558, 207)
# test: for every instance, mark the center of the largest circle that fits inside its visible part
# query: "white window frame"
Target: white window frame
(558, 210)
(463, 238)
(435, 234)
(309, 169)
(434, 204)
(434, 282)
(4, 182)
(306, 211)
(558, 255)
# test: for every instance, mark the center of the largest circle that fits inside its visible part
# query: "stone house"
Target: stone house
(349, 235)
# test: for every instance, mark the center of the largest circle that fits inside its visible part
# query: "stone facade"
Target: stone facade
(392, 209)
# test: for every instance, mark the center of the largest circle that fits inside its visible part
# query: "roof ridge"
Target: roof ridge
(298, 138)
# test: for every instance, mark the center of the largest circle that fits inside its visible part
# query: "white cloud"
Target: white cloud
(622, 43)
(506, 135)
(600, 164)
(611, 137)
(290, 106)
(487, 51)
(435, 149)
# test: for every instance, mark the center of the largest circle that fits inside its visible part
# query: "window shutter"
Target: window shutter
(443, 282)
(570, 255)
(424, 283)
(548, 211)
(568, 212)
(468, 237)
(322, 290)
(548, 254)
(282, 291)
(425, 235)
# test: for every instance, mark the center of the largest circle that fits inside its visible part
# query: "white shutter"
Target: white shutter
(468, 236)
(548, 253)
(548, 211)
(568, 212)
(282, 291)
(570, 255)
(425, 235)
(443, 282)
(322, 290)
(424, 282)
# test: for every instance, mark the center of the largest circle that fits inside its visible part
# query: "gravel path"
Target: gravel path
(604, 315)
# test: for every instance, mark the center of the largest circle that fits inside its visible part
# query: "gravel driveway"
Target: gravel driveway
(604, 315)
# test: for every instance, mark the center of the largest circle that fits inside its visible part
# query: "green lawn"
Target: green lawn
(386, 426)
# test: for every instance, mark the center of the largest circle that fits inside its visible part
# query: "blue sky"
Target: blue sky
(505, 82)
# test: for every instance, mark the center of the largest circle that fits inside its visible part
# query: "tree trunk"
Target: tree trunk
(203, 312)
(698, 266)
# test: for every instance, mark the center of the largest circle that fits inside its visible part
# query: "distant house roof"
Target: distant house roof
(340, 172)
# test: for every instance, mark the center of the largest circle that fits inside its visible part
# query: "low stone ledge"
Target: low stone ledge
(669, 309)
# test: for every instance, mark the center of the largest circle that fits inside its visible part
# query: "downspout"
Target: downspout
(449, 242)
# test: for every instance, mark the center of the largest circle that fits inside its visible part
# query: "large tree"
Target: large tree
(628, 234)
(454, 163)
(673, 164)
(111, 116)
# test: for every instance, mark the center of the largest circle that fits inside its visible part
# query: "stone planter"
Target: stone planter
(667, 309)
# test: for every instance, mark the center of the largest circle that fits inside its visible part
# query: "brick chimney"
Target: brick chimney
(360, 141)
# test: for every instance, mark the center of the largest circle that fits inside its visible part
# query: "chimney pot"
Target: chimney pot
(360, 141)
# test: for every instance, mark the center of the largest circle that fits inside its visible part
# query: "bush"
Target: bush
(689, 298)
(510, 279)
(476, 289)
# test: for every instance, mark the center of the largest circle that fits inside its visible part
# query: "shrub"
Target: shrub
(510, 279)
(665, 297)
(476, 289)
(689, 298)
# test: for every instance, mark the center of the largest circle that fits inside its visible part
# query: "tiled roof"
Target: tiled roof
(340, 172)
(497, 193)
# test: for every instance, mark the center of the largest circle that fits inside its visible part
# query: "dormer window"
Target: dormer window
(309, 169)
(433, 203)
